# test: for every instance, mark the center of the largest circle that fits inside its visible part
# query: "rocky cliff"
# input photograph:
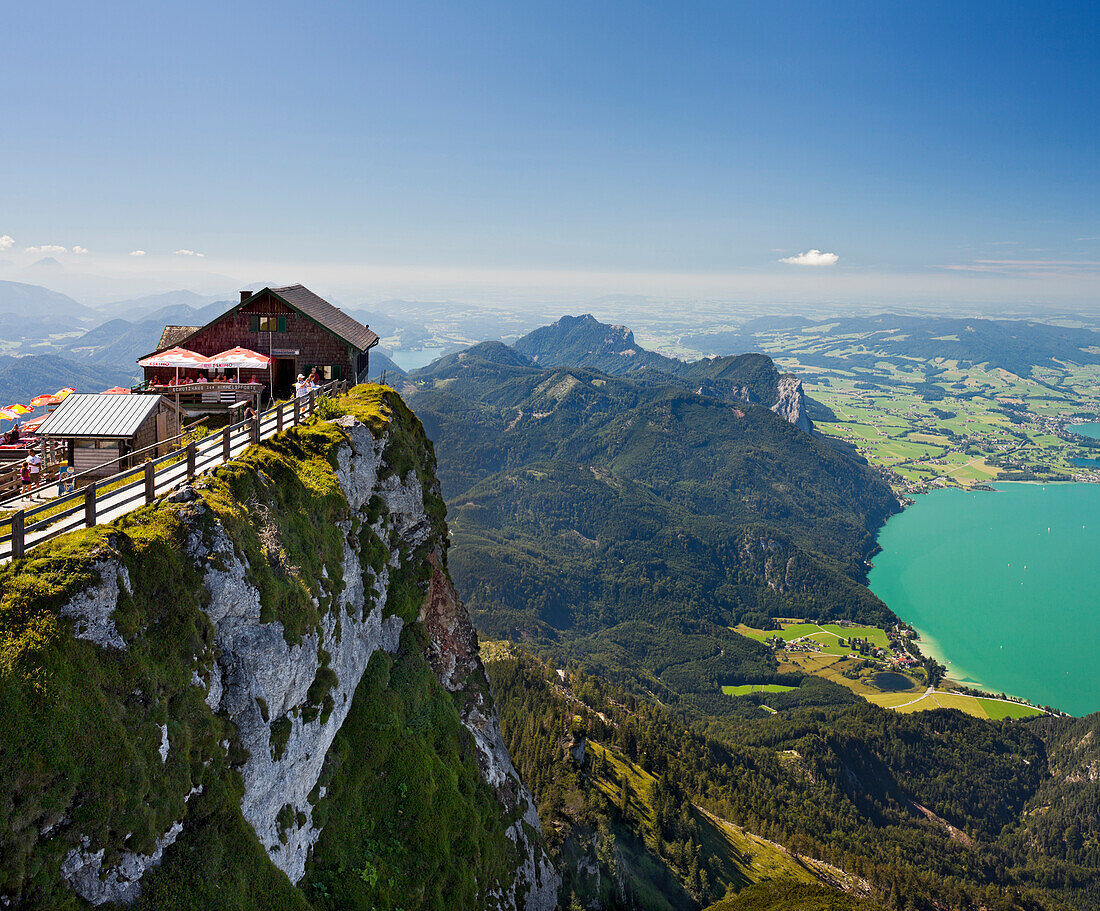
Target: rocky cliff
(790, 402)
(583, 341)
(262, 691)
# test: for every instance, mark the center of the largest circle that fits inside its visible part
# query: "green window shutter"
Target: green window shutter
(282, 324)
(253, 323)
(338, 372)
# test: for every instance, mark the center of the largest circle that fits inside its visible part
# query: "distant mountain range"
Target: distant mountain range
(137, 309)
(121, 342)
(583, 341)
(31, 313)
(22, 378)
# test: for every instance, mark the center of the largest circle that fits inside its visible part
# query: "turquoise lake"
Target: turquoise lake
(1004, 587)
(1087, 430)
(415, 358)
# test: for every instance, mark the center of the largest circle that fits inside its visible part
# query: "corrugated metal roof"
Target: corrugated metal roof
(173, 335)
(332, 318)
(85, 415)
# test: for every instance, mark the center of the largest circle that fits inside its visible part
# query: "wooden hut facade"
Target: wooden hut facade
(292, 325)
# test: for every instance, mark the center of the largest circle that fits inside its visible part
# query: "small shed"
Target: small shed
(97, 430)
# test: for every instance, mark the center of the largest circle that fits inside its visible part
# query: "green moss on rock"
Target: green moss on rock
(410, 822)
(407, 819)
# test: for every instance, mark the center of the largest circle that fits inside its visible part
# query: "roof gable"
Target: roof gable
(173, 335)
(332, 318)
(298, 298)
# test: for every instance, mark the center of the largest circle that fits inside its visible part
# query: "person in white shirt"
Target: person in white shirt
(35, 465)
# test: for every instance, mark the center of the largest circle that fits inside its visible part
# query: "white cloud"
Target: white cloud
(137, 252)
(811, 258)
(188, 253)
(47, 248)
(6, 242)
(79, 249)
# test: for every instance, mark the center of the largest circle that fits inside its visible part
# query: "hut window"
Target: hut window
(267, 323)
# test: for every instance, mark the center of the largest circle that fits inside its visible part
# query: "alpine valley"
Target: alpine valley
(265, 690)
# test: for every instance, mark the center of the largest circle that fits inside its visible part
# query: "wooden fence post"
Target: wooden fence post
(89, 505)
(18, 543)
(150, 482)
(278, 418)
(256, 429)
(226, 450)
(312, 401)
(191, 459)
(297, 409)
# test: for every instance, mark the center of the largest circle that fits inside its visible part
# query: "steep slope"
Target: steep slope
(914, 812)
(261, 692)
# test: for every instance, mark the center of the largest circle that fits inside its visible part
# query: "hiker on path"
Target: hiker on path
(34, 463)
(24, 479)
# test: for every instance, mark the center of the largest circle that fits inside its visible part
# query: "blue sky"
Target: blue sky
(936, 150)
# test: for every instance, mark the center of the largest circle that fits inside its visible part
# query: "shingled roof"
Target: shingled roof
(332, 318)
(301, 299)
(173, 335)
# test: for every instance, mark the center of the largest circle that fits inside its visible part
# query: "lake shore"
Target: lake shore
(1001, 587)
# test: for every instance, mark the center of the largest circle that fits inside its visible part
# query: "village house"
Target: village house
(297, 329)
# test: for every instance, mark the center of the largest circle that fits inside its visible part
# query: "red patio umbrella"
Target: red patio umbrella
(116, 390)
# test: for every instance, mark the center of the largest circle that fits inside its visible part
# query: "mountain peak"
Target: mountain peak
(47, 264)
(585, 341)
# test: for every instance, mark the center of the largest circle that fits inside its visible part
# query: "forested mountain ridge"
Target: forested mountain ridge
(922, 812)
(583, 341)
(625, 520)
(617, 526)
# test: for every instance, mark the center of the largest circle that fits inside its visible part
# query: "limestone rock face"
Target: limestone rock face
(263, 683)
(791, 402)
(454, 658)
(263, 680)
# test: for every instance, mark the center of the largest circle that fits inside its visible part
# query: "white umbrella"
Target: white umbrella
(238, 358)
(174, 357)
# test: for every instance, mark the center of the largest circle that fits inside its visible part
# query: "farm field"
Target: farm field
(826, 635)
(829, 660)
(938, 421)
(746, 688)
(918, 699)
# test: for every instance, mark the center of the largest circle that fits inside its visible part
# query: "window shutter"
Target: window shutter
(282, 324)
(253, 323)
(338, 372)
